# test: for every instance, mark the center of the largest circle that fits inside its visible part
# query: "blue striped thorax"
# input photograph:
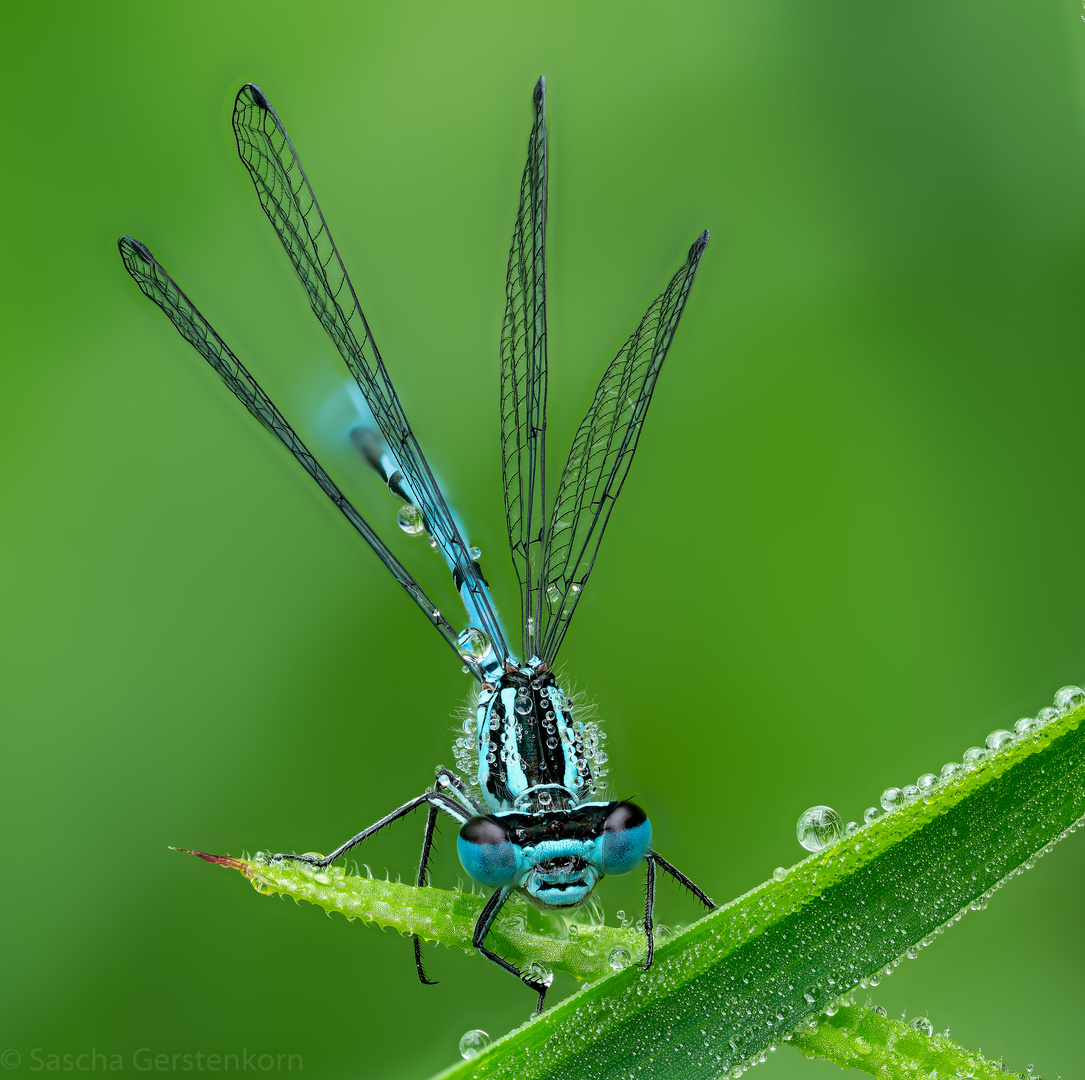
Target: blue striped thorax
(535, 765)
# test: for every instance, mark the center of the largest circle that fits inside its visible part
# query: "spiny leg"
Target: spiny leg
(427, 848)
(682, 880)
(482, 928)
(655, 860)
(434, 798)
(649, 904)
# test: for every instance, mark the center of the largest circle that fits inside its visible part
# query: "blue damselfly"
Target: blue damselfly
(528, 820)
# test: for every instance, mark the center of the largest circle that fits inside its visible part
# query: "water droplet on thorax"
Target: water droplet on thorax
(819, 827)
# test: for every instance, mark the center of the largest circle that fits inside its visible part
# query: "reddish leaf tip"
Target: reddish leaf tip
(219, 860)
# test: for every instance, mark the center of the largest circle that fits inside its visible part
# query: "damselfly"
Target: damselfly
(529, 820)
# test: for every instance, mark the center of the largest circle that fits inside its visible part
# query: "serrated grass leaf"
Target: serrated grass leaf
(857, 1038)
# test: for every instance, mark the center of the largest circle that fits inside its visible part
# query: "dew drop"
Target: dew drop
(998, 739)
(910, 792)
(1069, 697)
(473, 643)
(473, 1043)
(1045, 716)
(819, 827)
(618, 958)
(1025, 726)
(927, 783)
(553, 593)
(923, 1026)
(951, 770)
(538, 972)
(871, 813)
(411, 520)
(779, 873)
(892, 799)
(878, 1009)
(475, 553)
(974, 756)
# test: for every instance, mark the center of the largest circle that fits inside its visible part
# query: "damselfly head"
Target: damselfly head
(555, 858)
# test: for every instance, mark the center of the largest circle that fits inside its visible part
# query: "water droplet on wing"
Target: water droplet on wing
(473, 643)
(411, 520)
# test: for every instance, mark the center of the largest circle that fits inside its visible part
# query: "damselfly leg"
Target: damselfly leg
(653, 860)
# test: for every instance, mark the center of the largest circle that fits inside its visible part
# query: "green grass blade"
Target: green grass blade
(859, 1038)
(446, 916)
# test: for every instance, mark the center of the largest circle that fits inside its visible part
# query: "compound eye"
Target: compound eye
(627, 833)
(486, 853)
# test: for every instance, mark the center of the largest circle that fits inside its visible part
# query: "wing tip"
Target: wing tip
(130, 247)
(539, 93)
(699, 245)
(254, 95)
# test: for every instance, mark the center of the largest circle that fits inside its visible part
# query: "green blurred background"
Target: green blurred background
(849, 548)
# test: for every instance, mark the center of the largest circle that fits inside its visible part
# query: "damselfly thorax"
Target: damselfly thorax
(529, 804)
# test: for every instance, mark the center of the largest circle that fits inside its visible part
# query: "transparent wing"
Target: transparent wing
(523, 377)
(602, 452)
(156, 284)
(288, 200)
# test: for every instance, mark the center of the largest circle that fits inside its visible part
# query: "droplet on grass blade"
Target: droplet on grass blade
(819, 827)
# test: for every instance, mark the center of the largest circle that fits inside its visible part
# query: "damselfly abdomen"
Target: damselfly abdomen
(529, 822)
